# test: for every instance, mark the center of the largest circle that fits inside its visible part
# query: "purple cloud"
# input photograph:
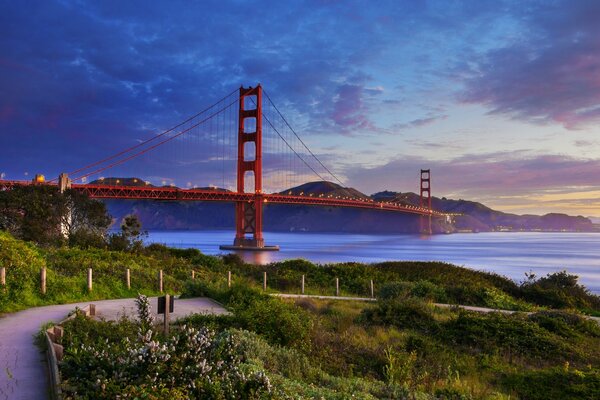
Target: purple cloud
(551, 74)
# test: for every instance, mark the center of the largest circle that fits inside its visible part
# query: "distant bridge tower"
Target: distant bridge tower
(425, 201)
(249, 214)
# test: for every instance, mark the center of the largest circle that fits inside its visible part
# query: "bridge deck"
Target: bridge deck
(177, 194)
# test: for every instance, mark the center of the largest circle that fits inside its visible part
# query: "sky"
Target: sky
(500, 99)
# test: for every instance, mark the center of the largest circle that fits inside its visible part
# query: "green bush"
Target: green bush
(556, 383)
(560, 290)
(395, 290)
(278, 321)
(429, 291)
(513, 334)
(566, 324)
(23, 263)
(405, 314)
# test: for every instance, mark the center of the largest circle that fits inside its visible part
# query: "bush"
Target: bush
(568, 325)
(406, 314)
(514, 334)
(556, 383)
(278, 321)
(560, 290)
(23, 263)
(395, 290)
(429, 291)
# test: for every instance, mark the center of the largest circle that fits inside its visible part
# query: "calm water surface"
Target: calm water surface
(509, 254)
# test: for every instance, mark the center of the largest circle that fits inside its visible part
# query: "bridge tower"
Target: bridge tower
(249, 214)
(425, 201)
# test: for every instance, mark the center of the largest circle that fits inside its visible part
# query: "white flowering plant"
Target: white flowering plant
(189, 364)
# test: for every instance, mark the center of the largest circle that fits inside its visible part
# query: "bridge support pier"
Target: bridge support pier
(248, 214)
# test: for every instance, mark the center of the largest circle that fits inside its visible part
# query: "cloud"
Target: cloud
(499, 179)
(349, 110)
(550, 73)
(419, 122)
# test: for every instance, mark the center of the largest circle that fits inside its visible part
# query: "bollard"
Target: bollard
(337, 286)
(3, 276)
(229, 279)
(89, 280)
(302, 284)
(265, 280)
(43, 280)
(372, 290)
(193, 275)
(128, 278)
(160, 281)
(166, 322)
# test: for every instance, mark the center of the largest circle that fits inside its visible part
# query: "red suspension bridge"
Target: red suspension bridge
(234, 134)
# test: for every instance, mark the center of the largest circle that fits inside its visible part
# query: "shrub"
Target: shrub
(406, 314)
(395, 290)
(568, 325)
(560, 290)
(514, 334)
(429, 291)
(23, 263)
(556, 383)
(278, 321)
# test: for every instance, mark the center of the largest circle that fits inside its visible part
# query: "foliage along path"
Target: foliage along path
(468, 308)
(23, 368)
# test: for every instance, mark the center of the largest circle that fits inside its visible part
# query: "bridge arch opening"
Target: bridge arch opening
(249, 181)
(249, 125)
(250, 102)
(249, 151)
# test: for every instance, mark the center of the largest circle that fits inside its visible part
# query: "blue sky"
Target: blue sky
(501, 99)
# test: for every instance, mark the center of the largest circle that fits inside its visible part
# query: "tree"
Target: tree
(44, 215)
(87, 220)
(131, 236)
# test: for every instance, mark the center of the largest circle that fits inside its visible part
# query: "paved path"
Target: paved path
(469, 308)
(23, 369)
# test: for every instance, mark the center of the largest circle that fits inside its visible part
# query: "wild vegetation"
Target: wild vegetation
(402, 346)
(398, 347)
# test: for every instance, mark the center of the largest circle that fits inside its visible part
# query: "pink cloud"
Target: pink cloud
(552, 76)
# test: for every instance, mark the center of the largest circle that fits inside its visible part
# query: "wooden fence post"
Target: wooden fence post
(193, 275)
(160, 280)
(167, 305)
(302, 284)
(372, 290)
(89, 280)
(3, 277)
(337, 286)
(265, 280)
(229, 279)
(43, 280)
(128, 278)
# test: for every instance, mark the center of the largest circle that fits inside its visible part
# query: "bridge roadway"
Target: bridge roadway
(177, 194)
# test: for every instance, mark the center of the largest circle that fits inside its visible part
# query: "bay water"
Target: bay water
(511, 254)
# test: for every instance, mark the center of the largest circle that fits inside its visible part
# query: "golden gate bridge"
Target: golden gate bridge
(242, 135)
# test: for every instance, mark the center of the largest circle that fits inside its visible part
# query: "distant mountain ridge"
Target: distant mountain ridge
(475, 217)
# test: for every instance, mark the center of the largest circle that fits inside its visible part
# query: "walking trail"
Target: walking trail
(23, 368)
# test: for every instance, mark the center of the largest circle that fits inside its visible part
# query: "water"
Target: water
(508, 253)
